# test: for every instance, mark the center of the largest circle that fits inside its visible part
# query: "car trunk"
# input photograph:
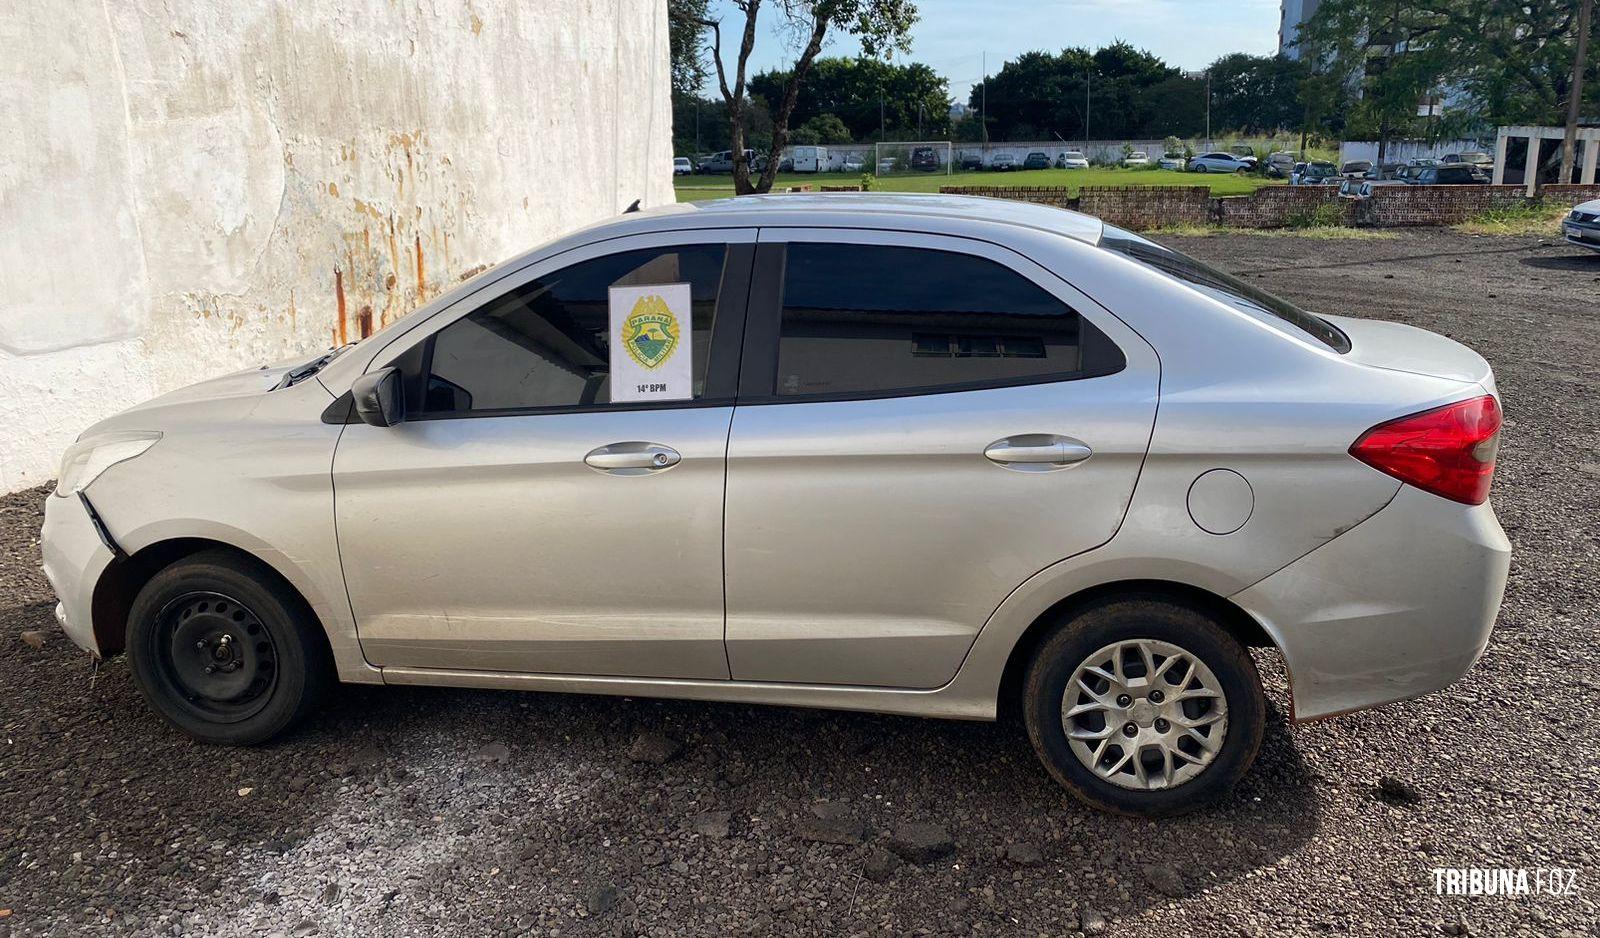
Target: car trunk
(1400, 347)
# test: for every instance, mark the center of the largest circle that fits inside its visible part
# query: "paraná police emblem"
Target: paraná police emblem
(650, 333)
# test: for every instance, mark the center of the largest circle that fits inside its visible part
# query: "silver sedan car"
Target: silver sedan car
(912, 454)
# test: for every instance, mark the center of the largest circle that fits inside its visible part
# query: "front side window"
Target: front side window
(546, 344)
(870, 319)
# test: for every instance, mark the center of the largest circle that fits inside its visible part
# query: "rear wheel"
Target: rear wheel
(225, 651)
(1144, 706)
(1198, 168)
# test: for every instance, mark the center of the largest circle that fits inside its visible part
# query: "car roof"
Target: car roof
(845, 210)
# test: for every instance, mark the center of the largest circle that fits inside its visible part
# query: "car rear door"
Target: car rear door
(528, 516)
(924, 422)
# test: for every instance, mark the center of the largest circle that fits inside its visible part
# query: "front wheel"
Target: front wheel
(225, 651)
(1144, 706)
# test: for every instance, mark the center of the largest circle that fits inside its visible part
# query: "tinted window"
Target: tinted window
(859, 319)
(546, 344)
(1229, 289)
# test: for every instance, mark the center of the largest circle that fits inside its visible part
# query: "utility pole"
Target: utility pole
(1088, 76)
(1208, 109)
(883, 132)
(1569, 141)
(983, 104)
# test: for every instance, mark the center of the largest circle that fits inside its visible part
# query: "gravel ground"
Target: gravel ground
(431, 812)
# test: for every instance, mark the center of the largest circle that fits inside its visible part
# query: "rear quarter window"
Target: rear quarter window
(1251, 300)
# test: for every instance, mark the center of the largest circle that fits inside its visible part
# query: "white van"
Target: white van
(810, 159)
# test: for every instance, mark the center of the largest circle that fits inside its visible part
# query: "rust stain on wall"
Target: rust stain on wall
(422, 274)
(338, 291)
(364, 321)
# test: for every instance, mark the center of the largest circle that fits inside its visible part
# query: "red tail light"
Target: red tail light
(1448, 450)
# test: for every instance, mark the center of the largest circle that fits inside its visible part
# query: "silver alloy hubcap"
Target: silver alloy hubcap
(1144, 714)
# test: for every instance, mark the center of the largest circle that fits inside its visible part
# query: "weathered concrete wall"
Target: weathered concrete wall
(194, 186)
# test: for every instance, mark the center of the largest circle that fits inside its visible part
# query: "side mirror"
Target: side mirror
(379, 397)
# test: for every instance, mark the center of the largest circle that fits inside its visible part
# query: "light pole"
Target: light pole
(1088, 77)
(983, 104)
(1208, 109)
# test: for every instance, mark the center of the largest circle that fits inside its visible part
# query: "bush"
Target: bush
(1326, 215)
(868, 182)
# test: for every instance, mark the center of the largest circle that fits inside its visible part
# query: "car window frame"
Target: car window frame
(410, 351)
(758, 368)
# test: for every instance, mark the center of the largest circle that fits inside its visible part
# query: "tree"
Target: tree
(881, 26)
(686, 40)
(1255, 93)
(866, 95)
(1509, 60)
(1116, 91)
(822, 129)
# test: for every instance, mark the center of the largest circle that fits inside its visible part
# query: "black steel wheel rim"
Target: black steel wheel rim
(215, 656)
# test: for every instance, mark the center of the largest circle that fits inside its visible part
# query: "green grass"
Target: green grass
(1323, 233)
(696, 188)
(1528, 218)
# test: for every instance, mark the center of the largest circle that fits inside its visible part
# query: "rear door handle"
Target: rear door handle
(632, 458)
(1037, 452)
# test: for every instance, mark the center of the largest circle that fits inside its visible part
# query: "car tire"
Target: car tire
(1138, 782)
(268, 658)
(1198, 168)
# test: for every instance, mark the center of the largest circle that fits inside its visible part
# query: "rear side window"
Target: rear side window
(546, 344)
(1259, 304)
(866, 320)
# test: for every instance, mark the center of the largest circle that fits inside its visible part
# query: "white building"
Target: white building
(1292, 14)
(197, 186)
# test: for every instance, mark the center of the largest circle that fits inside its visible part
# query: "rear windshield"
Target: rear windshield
(1251, 300)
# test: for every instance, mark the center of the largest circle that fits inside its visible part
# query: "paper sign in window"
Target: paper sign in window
(651, 352)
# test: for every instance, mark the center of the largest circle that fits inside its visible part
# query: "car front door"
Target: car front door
(924, 422)
(529, 515)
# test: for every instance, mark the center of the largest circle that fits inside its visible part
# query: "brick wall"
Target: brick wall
(1059, 196)
(1142, 207)
(1277, 206)
(1145, 207)
(1400, 206)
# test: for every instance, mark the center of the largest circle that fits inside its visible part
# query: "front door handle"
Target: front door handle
(632, 458)
(1037, 452)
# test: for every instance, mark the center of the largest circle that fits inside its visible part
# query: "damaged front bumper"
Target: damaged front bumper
(77, 550)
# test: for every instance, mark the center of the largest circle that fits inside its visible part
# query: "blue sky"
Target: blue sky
(952, 35)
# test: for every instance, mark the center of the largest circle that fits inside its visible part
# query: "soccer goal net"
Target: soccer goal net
(902, 159)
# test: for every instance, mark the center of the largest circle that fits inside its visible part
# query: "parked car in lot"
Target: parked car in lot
(970, 160)
(1002, 162)
(1477, 159)
(1350, 187)
(808, 159)
(1366, 187)
(722, 162)
(1459, 174)
(472, 496)
(681, 166)
(1582, 227)
(1036, 160)
(1073, 159)
(886, 165)
(1315, 173)
(1173, 161)
(1219, 162)
(1280, 165)
(924, 159)
(853, 164)
(1136, 160)
(1355, 169)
